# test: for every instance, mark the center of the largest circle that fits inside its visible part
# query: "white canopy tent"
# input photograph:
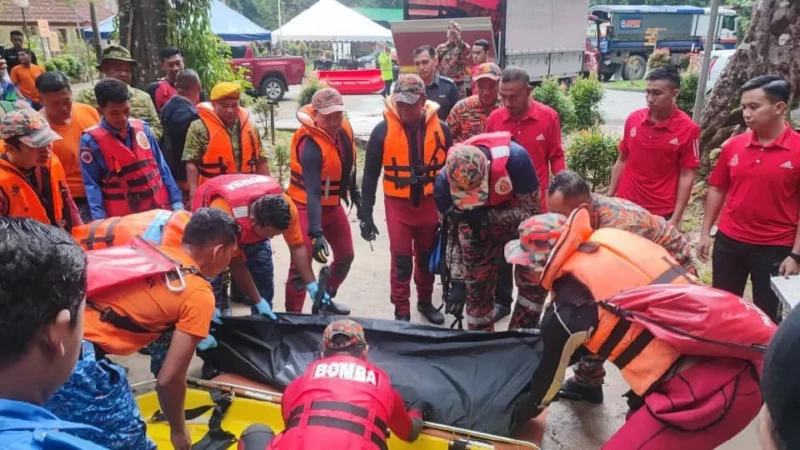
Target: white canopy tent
(329, 20)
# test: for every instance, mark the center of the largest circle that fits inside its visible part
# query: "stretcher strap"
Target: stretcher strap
(108, 239)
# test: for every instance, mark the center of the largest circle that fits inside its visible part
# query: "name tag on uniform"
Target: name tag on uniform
(346, 371)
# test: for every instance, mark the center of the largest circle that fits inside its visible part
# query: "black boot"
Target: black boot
(579, 392)
(403, 317)
(332, 308)
(430, 312)
(500, 311)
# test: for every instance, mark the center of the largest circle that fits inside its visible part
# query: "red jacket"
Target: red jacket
(342, 402)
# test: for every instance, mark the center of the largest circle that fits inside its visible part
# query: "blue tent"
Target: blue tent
(226, 23)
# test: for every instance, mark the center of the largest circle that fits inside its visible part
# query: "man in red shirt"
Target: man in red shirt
(659, 153)
(533, 125)
(758, 173)
(341, 401)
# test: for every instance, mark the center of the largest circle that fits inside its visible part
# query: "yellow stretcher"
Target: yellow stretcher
(254, 403)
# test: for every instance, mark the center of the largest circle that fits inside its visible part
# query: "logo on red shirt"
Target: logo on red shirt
(787, 165)
(633, 132)
(674, 141)
(734, 161)
(347, 371)
(540, 137)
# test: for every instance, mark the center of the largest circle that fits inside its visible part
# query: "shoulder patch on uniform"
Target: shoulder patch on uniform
(447, 79)
(142, 140)
(86, 156)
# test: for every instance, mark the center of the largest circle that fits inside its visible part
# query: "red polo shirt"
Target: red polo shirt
(656, 154)
(539, 132)
(763, 185)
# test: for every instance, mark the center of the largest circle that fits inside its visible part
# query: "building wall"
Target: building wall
(67, 35)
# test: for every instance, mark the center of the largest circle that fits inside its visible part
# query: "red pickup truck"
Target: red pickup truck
(270, 75)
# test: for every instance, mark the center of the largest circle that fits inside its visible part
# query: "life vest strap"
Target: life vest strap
(135, 182)
(614, 338)
(637, 346)
(124, 170)
(342, 424)
(108, 239)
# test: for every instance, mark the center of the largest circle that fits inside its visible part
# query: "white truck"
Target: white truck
(545, 37)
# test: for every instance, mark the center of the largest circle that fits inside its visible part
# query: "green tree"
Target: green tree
(189, 28)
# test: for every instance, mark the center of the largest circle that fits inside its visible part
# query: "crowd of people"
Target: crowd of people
(487, 173)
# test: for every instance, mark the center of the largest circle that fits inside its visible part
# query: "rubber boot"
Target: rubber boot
(500, 311)
(431, 314)
(579, 392)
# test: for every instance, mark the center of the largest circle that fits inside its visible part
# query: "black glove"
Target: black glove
(319, 249)
(456, 299)
(368, 229)
(426, 410)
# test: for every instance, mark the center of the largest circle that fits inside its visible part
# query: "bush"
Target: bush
(61, 64)
(592, 153)
(310, 86)
(686, 60)
(554, 95)
(586, 95)
(688, 94)
(49, 66)
(659, 58)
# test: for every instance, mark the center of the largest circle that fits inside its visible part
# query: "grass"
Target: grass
(622, 85)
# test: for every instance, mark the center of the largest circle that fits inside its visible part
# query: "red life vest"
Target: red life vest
(720, 324)
(133, 183)
(164, 92)
(499, 145)
(239, 191)
(340, 400)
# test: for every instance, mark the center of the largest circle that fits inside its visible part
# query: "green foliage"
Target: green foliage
(686, 61)
(659, 58)
(84, 53)
(592, 153)
(686, 99)
(310, 86)
(189, 28)
(586, 95)
(49, 66)
(61, 64)
(554, 95)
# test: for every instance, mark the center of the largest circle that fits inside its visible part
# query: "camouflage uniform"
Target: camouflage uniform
(453, 59)
(610, 212)
(468, 116)
(97, 393)
(141, 104)
(482, 233)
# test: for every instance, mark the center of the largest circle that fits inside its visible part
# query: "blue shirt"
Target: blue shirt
(25, 426)
(96, 171)
(520, 170)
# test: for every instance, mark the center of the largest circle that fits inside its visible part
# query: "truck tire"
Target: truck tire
(273, 88)
(635, 68)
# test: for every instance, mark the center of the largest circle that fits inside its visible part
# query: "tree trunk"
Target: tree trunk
(95, 31)
(771, 46)
(143, 31)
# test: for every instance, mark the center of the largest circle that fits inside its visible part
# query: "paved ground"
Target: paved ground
(570, 425)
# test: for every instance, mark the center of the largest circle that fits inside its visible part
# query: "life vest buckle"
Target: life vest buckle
(181, 286)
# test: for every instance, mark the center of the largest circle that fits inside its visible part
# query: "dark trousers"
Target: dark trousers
(733, 261)
(387, 88)
(503, 291)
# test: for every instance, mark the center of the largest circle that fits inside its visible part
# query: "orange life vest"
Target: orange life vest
(24, 201)
(218, 158)
(331, 160)
(159, 226)
(398, 173)
(608, 261)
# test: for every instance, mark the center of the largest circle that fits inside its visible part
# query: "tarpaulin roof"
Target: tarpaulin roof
(646, 9)
(329, 20)
(226, 23)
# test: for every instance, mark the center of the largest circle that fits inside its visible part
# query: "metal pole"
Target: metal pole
(280, 25)
(711, 39)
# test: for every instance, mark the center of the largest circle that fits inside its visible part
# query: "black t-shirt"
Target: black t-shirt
(12, 59)
(176, 116)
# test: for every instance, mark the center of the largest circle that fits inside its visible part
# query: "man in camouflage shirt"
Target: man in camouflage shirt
(568, 191)
(116, 62)
(453, 56)
(468, 116)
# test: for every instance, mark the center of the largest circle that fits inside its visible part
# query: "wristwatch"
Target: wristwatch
(795, 257)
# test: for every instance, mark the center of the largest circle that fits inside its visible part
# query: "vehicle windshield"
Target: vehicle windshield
(238, 51)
